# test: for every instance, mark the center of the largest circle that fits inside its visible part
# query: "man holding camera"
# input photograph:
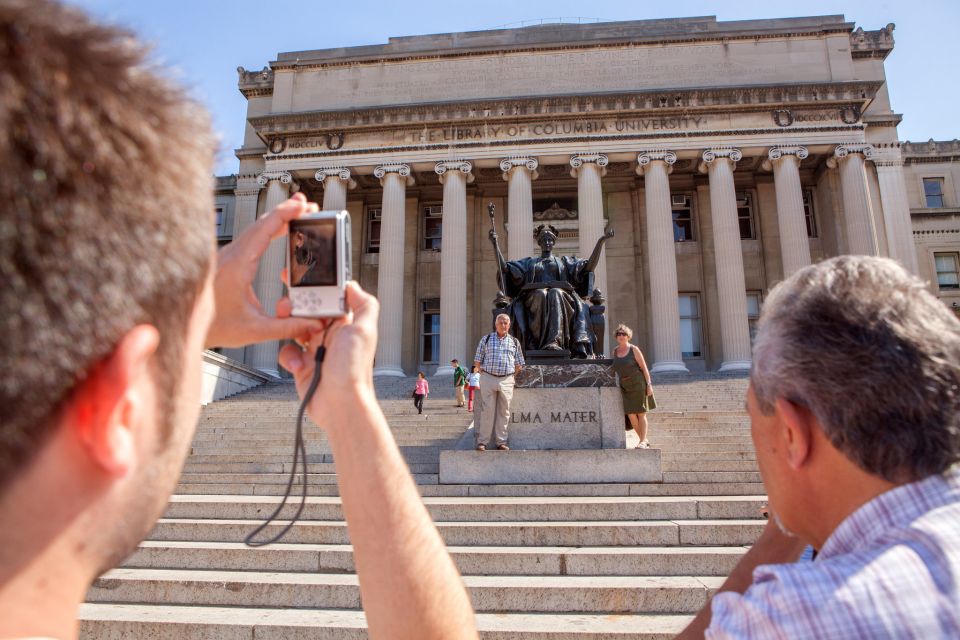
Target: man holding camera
(111, 290)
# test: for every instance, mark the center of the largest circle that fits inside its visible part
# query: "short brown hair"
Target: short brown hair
(106, 211)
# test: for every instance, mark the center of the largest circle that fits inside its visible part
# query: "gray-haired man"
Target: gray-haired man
(854, 405)
(499, 357)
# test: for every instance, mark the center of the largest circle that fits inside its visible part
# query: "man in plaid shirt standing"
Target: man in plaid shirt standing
(499, 357)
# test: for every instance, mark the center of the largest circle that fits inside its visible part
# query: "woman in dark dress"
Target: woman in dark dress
(635, 383)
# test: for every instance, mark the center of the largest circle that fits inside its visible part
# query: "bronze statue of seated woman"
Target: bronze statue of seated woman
(547, 311)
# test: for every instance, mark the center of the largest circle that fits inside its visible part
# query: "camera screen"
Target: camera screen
(313, 253)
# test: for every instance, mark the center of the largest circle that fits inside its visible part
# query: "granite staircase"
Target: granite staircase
(540, 561)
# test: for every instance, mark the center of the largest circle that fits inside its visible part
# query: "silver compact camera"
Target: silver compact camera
(318, 263)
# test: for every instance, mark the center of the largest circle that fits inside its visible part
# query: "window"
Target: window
(431, 330)
(753, 312)
(745, 215)
(948, 270)
(933, 192)
(432, 226)
(808, 214)
(690, 325)
(218, 216)
(373, 229)
(682, 218)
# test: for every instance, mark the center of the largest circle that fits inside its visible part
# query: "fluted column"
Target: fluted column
(268, 287)
(454, 175)
(896, 209)
(588, 169)
(857, 208)
(731, 285)
(394, 178)
(520, 172)
(335, 181)
(794, 245)
(246, 198)
(655, 166)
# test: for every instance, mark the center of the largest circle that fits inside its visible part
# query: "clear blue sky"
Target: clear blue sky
(206, 40)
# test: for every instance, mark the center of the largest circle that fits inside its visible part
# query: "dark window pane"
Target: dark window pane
(746, 229)
(932, 186)
(934, 202)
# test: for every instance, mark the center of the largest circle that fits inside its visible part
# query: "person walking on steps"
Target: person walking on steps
(499, 357)
(459, 380)
(420, 391)
(473, 385)
(635, 383)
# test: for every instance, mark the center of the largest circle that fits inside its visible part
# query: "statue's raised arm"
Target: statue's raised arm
(595, 256)
(501, 262)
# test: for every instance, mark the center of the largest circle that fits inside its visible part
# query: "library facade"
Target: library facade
(724, 156)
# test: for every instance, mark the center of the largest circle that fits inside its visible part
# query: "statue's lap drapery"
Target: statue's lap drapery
(547, 309)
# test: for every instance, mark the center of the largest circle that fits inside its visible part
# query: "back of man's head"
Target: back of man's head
(105, 212)
(873, 355)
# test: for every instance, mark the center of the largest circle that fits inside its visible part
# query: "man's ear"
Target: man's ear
(798, 424)
(117, 398)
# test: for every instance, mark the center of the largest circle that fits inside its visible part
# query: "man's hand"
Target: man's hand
(240, 318)
(351, 344)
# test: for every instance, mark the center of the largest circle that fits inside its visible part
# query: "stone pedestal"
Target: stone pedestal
(566, 426)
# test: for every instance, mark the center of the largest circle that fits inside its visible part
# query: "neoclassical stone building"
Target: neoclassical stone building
(725, 155)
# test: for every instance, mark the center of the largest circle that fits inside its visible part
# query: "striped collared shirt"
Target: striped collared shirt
(499, 356)
(890, 570)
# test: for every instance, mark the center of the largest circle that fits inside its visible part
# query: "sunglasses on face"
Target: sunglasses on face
(620, 333)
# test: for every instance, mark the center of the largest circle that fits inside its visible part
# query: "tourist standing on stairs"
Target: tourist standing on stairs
(473, 385)
(459, 380)
(420, 391)
(635, 383)
(499, 357)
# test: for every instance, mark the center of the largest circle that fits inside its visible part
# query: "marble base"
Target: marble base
(573, 418)
(550, 467)
(570, 373)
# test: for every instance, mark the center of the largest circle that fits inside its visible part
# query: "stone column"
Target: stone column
(785, 163)
(268, 287)
(731, 286)
(394, 178)
(655, 166)
(588, 169)
(520, 172)
(247, 196)
(857, 209)
(454, 176)
(335, 181)
(896, 209)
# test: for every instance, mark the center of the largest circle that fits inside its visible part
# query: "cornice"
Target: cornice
(872, 44)
(445, 51)
(659, 102)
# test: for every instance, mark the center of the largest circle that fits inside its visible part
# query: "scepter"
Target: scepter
(491, 208)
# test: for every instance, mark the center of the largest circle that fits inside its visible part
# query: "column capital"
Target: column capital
(512, 162)
(645, 158)
(402, 170)
(463, 166)
(777, 153)
(578, 160)
(720, 153)
(283, 176)
(341, 173)
(843, 150)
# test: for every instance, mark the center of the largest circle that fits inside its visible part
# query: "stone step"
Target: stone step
(519, 594)
(653, 489)
(486, 509)
(711, 476)
(508, 534)
(281, 467)
(526, 561)
(709, 465)
(125, 621)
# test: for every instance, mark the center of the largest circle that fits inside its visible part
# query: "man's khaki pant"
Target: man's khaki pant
(460, 399)
(493, 409)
